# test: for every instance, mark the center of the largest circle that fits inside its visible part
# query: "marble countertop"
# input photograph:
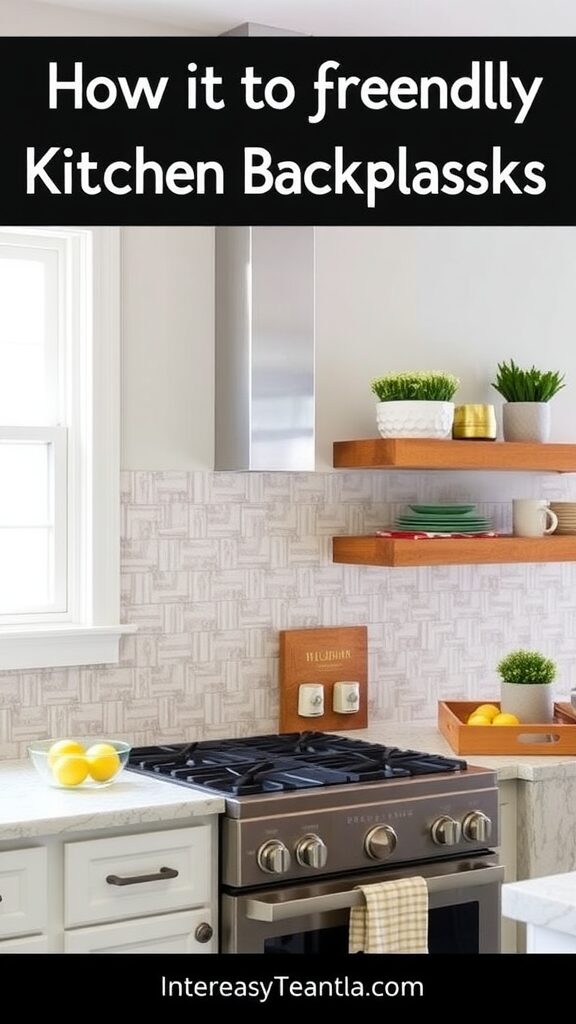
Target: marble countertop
(548, 902)
(428, 738)
(29, 808)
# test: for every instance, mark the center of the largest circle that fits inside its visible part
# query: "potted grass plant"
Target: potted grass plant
(415, 404)
(527, 392)
(525, 686)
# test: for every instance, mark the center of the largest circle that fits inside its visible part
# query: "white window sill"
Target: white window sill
(59, 645)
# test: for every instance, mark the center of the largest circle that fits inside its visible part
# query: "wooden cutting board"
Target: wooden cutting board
(325, 656)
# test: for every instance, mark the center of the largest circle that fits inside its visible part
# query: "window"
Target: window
(59, 436)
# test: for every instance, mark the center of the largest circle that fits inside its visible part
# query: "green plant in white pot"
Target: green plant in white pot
(525, 687)
(415, 404)
(527, 393)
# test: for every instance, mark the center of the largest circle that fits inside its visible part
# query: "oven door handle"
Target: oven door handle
(272, 910)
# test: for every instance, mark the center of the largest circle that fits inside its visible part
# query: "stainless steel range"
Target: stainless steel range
(310, 816)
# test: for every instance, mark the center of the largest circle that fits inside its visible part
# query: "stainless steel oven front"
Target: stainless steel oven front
(464, 910)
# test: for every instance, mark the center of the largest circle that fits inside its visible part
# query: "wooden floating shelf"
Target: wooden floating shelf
(412, 453)
(393, 551)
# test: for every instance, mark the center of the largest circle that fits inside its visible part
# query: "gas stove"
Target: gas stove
(301, 804)
(293, 761)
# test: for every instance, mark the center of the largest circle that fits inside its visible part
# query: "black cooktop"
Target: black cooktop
(267, 764)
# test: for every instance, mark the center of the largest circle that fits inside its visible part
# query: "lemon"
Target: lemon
(63, 747)
(70, 769)
(479, 720)
(103, 761)
(488, 710)
(505, 719)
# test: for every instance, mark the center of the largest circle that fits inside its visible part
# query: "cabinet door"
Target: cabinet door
(32, 944)
(137, 876)
(23, 892)
(170, 933)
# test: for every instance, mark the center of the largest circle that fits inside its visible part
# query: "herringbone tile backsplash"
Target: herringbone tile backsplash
(214, 564)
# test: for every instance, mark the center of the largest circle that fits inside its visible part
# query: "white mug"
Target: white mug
(532, 518)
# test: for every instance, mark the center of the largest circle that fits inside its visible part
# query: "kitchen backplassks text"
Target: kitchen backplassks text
(489, 86)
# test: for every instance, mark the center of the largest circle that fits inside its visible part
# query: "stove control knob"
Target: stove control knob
(312, 852)
(477, 827)
(446, 831)
(273, 857)
(380, 842)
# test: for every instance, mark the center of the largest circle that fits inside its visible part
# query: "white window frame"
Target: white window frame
(57, 439)
(88, 631)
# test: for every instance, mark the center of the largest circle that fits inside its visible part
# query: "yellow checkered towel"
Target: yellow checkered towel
(394, 918)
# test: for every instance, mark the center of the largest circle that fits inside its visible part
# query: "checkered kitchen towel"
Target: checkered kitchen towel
(394, 918)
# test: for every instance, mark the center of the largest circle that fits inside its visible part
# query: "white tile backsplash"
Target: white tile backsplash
(214, 564)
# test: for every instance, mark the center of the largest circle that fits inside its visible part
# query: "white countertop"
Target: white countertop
(428, 738)
(29, 808)
(548, 902)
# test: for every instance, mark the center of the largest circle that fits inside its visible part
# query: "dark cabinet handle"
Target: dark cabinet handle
(204, 932)
(159, 876)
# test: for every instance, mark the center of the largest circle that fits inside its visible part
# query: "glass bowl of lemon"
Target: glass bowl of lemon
(79, 763)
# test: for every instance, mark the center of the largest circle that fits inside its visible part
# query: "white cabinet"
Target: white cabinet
(146, 889)
(170, 933)
(23, 892)
(31, 944)
(111, 879)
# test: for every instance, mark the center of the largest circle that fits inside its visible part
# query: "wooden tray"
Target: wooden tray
(557, 738)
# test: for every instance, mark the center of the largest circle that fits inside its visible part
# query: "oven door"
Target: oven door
(464, 910)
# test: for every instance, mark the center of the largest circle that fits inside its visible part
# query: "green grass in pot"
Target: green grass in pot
(526, 667)
(422, 386)
(517, 385)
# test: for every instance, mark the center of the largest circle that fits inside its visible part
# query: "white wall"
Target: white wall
(168, 348)
(26, 18)
(456, 299)
(459, 299)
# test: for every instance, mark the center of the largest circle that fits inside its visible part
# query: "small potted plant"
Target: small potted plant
(525, 689)
(415, 404)
(526, 414)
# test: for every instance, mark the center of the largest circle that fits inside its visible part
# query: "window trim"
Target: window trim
(92, 634)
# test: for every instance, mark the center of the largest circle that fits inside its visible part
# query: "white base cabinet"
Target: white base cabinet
(152, 889)
(171, 933)
(133, 876)
(31, 944)
(23, 892)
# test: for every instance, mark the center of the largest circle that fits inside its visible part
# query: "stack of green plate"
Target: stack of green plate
(443, 519)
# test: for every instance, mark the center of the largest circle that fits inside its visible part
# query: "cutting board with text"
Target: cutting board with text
(325, 656)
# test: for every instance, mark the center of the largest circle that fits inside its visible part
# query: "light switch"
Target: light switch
(346, 698)
(310, 700)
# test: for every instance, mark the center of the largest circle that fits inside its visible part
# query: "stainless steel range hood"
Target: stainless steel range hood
(264, 340)
(264, 348)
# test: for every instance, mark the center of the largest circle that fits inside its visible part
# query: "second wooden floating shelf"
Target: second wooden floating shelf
(411, 453)
(393, 551)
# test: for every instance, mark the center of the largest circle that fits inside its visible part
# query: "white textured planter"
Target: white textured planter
(530, 702)
(415, 419)
(526, 421)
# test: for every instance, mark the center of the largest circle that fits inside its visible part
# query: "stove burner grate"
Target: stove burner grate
(264, 764)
